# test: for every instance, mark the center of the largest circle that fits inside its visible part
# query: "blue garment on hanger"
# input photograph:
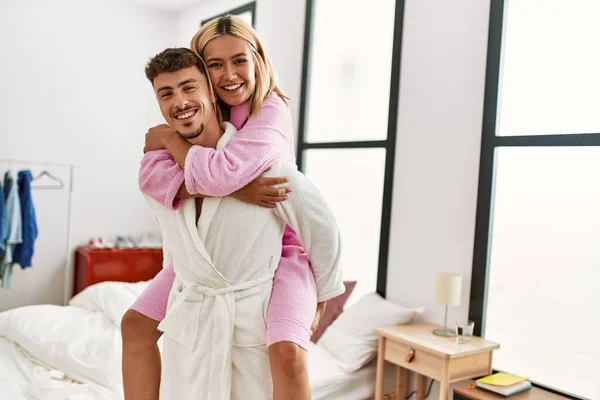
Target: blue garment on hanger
(8, 182)
(3, 223)
(15, 229)
(23, 251)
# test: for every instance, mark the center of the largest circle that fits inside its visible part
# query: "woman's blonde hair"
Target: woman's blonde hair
(266, 80)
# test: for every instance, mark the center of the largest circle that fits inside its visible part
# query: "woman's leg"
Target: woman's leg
(289, 371)
(139, 331)
(290, 315)
(141, 357)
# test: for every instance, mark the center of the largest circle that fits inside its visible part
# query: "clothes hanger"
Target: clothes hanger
(58, 182)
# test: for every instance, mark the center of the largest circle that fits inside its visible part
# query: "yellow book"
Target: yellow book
(501, 379)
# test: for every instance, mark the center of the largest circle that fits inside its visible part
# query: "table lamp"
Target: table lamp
(448, 287)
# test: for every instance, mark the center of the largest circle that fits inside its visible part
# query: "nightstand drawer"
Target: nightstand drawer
(470, 366)
(423, 362)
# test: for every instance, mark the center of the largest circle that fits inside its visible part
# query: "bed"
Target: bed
(74, 352)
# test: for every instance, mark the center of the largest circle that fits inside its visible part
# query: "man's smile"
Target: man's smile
(186, 114)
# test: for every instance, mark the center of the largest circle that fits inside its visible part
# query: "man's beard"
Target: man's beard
(193, 135)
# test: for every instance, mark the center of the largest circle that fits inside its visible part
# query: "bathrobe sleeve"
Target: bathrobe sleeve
(160, 177)
(307, 212)
(264, 139)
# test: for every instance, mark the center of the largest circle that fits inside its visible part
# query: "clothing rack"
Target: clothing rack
(59, 186)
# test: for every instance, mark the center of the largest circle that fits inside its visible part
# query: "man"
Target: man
(224, 254)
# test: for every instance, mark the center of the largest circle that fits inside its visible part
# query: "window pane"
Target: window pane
(349, 89)
(351, 181)
(550, 80)
(246, 16)
(543, 297)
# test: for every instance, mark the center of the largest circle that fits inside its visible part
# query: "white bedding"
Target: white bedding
(74, 352)
(22, 377)
(329, 381)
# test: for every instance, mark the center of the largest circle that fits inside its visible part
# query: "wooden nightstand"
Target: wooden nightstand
(414, 347)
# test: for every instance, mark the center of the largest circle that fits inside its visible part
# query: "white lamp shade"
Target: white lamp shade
(448, 288)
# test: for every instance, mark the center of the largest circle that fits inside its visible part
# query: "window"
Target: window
(246, 12)
(347, 126)
(536, 265)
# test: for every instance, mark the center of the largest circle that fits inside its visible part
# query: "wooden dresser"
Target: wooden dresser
(122, 265)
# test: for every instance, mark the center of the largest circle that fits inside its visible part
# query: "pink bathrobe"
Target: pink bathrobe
(262, 140)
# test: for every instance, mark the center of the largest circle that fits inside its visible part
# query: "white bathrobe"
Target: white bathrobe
(214, 331)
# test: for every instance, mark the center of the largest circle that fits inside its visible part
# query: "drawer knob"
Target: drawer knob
(410, 356)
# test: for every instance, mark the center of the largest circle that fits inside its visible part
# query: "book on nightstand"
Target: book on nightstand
(504, 384)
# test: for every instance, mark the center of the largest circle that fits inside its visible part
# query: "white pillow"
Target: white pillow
(112, 299)
(351, 339)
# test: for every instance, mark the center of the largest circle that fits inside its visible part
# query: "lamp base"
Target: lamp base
(444, 332)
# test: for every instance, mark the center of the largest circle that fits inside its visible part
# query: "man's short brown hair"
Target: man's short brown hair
(172, 60)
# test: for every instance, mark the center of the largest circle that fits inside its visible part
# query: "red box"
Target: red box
(121, 265)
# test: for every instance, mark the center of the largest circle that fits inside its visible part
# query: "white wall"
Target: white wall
(437, 152)
(74, 91)
(280, 25)
(438, 145)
